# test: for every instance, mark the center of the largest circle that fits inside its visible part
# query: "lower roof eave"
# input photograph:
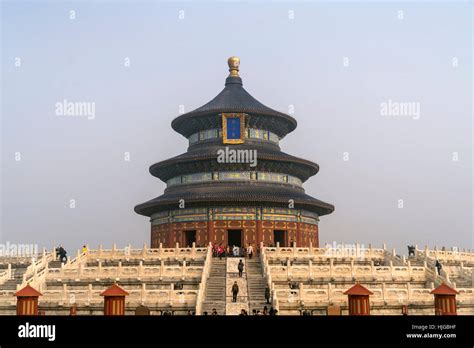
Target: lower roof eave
(152, 207)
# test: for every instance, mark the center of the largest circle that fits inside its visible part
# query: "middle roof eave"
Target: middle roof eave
(174, 166)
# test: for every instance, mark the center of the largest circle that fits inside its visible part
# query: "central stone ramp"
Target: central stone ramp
(234, 308)
(216, 288)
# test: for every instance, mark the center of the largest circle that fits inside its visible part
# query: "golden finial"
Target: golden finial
(234, 63)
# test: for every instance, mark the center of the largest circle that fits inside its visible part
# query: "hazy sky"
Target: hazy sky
(421, 55)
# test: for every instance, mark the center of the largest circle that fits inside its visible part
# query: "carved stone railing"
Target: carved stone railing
(6, 274)
(84, 297)
(36, 272)
(202, 286)
(268, 276)
(446, 255)
(82, 272)
(381, 296)
(356, 252)
(346, 272)
(146, 253)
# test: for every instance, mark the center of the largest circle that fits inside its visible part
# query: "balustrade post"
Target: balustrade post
(171, 292)
(331, 268)
(370, 251)
(183, 270)
(9, 271)
(119, 269)
(140, 268)
(64, 292)
(408, 292)
(89, 293)
(310, 266)
(176, 250)
(99, 270)
(409, 269)
(352, 269)
(143, 293)
(162, 268)
(310, 248)
(278, 249)
(329, 293)
(193, 250)
(384, 292)
(372, 269)
(391, 268)
(100, 251)
(144, 251)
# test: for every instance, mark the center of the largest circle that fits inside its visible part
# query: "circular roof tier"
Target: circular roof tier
(205, 159)
(233, 194)
(234, 99)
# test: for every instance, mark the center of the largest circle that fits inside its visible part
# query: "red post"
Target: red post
(27, 301)
(358, 297)
(445, 300)
(114, 300)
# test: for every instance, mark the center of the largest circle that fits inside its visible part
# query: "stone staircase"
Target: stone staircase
(17, 278)
(216, 288)
(256, 285)
(54, 264)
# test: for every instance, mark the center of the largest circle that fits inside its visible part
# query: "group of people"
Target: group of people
(61, 254)
(218, 250)
(213, 312)
(265, 311)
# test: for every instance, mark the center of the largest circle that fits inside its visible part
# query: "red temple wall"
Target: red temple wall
(253, 232)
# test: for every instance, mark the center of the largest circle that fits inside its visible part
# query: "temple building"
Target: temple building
(234, 186)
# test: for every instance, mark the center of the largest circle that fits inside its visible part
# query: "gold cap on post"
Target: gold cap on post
(234, 63)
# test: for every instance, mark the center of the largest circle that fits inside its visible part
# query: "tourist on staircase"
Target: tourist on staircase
(438, 266)
(250, 251)
(267, 294)
(62, 254)
(235, 291)
(235, 251)
(240, 267)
